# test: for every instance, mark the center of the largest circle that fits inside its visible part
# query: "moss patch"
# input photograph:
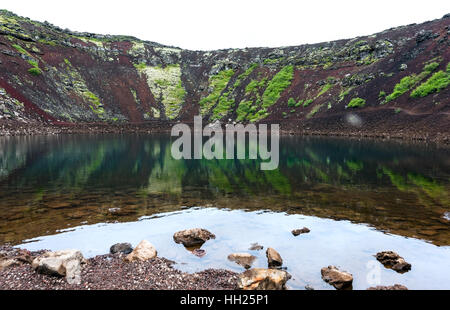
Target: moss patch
(166, 86)
(437, 82)
(356, 103)
(217, 83)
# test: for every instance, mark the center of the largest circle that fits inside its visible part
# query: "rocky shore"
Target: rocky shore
(140, 268)
(111, 272)
(12, 128)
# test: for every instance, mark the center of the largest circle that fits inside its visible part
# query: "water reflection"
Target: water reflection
(50, 183)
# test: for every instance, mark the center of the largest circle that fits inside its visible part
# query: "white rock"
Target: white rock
(143, 251)
(61, 263)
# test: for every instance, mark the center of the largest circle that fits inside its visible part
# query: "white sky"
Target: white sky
(213, 24)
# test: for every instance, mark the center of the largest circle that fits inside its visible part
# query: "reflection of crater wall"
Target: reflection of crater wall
(60, 180)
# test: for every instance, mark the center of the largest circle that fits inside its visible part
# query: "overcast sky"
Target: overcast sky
(213, 24)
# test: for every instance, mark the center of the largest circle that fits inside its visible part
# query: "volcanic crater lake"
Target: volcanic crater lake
(358, 197)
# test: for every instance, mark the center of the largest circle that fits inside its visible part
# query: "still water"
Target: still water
(357, 197)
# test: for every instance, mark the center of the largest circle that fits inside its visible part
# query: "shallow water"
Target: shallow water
(357, 197)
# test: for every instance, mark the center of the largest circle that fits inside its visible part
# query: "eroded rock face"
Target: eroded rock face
(61, 263)
(395, 287)
(243, 259)
(394, 261)
(193, 237)
(303, 230)
(339, 279)
(143, 251)
(273, 258)
(263, 279)
(124, 248)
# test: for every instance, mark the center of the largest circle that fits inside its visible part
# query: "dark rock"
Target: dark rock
(193, 237)
(303, 230)
(273, 258)
(394, 261)
(256, 247)
(124, 248)
(199, 252)
(339, 279)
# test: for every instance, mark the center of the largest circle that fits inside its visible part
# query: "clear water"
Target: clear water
(357, 197)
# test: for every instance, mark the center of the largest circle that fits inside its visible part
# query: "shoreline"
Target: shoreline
(111, 272)
(8, 129)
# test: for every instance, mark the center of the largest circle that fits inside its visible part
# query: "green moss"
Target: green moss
(33, 63)
(434, 84)
(382, 94)
(291, 102)
(223, 107)
(299, 103)
(324, 89)
(408, 82)
(218, 83)
(244, 75)
(269, 61)
(243, 110)
(314, 110)
(398, 110)
(35, 71)
(95, 105)
(277, 85)
(356, 103)
(20, 49)
(140, 66)
(43, 41)
(308, 102)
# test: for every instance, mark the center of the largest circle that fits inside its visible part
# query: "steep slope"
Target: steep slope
(392, 83)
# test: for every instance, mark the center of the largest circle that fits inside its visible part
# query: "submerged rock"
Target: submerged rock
(143, 251)
(255, 247)
(303, 230)
(193, 237)
(339, 279)
(243, 259)
(273, 258)
(395, 287)
(199, 252)
(263, 279)
(394, 261)
(61, 263)
(124, 248)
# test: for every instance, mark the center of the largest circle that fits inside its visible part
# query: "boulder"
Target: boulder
(143, 252)
(243, 259)
(124, 248)
(395, 287)
(9, 262)
(61, 263)
(193, 237)
(394, 261)
(263, 279)
(303, 230)
(273, 258)
(339, 279)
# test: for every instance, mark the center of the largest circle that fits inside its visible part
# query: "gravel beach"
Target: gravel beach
(110, 272)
